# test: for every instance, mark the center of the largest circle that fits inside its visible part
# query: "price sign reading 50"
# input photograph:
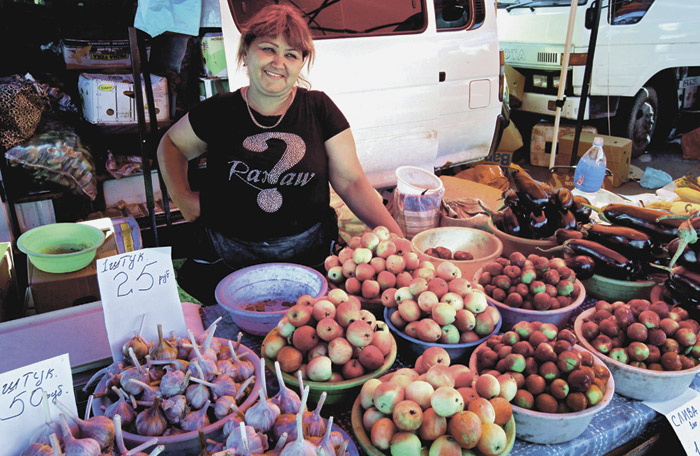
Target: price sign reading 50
(134, 284)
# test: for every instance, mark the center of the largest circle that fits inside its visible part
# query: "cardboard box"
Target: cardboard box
(542, 137)
(213, 55)
(58, 291)
(35, 213)
(96, 54)
(516, 85)
(109, 98)
(618, 153)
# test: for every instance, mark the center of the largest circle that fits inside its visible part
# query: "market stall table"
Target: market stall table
(621, 422)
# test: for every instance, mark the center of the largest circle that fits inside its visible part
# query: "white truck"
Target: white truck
(646, 65)
(420, 81)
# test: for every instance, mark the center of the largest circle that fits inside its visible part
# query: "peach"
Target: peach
(493, 439)
(407, 415)
(433, 425)
(387, 395)
(465, 428)
(483, 409)
(382, 432)
(487, 386)
(290, 359)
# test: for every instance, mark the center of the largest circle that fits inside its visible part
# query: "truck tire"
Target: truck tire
(637, 119)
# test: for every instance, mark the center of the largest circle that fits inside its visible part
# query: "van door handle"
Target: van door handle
(442, 76)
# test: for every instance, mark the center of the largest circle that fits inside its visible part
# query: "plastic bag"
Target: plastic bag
(56, 153)
(22, 103)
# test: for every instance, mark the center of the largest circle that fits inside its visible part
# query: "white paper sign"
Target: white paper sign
(683, 412)
(137, 283)
(22, 407)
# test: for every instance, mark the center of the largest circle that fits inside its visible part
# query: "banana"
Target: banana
(688, 194)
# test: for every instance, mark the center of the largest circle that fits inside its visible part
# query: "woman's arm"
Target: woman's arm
(350, 182)
(177, 146)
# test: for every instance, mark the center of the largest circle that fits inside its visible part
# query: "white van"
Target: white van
(420, 81)
(646, 65)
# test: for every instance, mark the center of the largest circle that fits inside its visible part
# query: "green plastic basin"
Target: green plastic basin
(61, 247)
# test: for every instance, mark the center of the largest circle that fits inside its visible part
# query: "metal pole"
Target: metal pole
(586, 79)
(562, 81)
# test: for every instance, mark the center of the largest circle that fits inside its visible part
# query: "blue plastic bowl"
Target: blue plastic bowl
(417, 346)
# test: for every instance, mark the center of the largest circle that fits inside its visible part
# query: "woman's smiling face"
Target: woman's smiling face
(273, 65)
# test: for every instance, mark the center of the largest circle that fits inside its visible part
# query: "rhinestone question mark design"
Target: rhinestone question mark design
(270, 199)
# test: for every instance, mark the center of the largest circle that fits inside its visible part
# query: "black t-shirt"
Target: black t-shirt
(263, 183)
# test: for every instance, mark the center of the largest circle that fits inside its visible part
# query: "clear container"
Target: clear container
(590, 170)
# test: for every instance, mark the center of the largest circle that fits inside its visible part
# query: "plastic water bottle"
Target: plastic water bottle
(590, 170)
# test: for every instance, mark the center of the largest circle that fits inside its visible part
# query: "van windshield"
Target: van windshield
(512, 4)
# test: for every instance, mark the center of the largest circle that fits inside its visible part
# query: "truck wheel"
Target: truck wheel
(638, 118)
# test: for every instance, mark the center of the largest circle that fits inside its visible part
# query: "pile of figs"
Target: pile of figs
(549, 372)
(533, 282)
(643, 334)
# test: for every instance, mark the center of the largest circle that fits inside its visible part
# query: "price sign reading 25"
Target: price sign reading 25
(137, 283)
(134, 273)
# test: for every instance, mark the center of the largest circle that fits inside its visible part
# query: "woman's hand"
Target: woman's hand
(189, 205)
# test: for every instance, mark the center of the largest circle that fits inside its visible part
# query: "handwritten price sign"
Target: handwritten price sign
(22, 408)
(683, 413)
(137, 283)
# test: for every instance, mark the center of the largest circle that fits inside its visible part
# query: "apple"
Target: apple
(369, 240)
(385, 248)
(395, 263)
(362, 255)
(382, 232)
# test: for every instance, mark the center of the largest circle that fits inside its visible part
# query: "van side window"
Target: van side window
(346, 18)
(459, 14)
(623, 12)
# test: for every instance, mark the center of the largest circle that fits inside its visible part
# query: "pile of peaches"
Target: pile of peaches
(441, 307)
(643, 334)
(438, 407)
(550, 373)
(330, 338)
(373, 262)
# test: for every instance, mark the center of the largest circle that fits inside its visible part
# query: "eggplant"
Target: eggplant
(582, 265)
(643, 219)
(531, 194)
(511, 224)
(684, 286)
(539, 224)
(564, 234)
(628, 241)
(690, 257)
(581, 207)
(608, 262)
(562, 199)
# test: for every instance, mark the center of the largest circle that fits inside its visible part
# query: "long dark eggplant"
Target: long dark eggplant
(642, 218)
(628, 241)
(684, 287)
(608, 262)
(564, 234)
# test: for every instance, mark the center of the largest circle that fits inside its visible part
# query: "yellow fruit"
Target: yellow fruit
(688, 194)
(684, 208)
